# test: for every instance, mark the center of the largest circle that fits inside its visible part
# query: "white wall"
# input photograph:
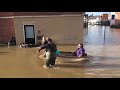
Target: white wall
(112, 22)
(62, 29)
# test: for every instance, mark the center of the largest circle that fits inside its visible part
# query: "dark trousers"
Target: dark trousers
(51, 59)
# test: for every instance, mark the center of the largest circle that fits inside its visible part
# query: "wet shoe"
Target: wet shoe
(52, 66)
(46, 67)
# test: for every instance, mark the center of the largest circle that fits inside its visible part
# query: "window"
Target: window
(113, 16)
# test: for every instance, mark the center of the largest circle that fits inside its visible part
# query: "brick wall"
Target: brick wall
(6, 14)
(6, 29)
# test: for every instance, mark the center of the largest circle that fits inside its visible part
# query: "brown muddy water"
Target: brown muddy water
(102, 46)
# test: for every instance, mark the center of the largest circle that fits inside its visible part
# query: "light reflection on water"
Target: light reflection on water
(103, 43)
(101, 35)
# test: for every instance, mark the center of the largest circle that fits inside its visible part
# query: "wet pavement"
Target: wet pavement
(101, 43)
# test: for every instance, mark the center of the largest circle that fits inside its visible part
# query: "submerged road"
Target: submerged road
(24, 63)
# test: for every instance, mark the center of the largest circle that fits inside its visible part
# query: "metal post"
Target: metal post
(104, 34)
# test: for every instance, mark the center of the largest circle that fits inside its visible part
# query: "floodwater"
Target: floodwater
(101, 43)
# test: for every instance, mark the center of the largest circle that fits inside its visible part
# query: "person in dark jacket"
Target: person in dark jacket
(50, 49)
(45, 42)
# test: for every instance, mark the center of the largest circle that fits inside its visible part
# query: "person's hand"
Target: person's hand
(39, 50)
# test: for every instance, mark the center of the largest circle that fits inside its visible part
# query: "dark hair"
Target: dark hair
(81, 45)
(49, 39)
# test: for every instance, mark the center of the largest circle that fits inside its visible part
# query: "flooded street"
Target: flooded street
(18, 62)
(101, 43)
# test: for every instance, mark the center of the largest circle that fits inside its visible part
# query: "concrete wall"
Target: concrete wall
(62, 29)
(112, 22)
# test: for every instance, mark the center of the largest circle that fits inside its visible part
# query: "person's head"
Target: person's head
(80, 45)
(49, 40)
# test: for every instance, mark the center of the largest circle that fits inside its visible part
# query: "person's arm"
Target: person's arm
(82, 51)
(44, 46)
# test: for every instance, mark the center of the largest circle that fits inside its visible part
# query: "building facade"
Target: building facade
(28, 27)
(105, 19)
(94, 20)
(115, 19)
(6, 26)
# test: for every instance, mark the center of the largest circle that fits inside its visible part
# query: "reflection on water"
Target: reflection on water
(101, 35)
(101, 43)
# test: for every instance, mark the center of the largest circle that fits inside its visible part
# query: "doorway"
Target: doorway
(29, 34)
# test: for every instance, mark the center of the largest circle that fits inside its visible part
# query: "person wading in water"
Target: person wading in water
(50, 54)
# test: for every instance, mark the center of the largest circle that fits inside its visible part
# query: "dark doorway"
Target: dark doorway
(29, 34)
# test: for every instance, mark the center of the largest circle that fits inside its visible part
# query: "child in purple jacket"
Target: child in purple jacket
(80, 51)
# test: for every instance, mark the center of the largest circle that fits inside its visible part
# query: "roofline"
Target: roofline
(37, 16)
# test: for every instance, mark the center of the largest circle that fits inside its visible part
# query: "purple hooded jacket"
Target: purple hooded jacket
(80, 52)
